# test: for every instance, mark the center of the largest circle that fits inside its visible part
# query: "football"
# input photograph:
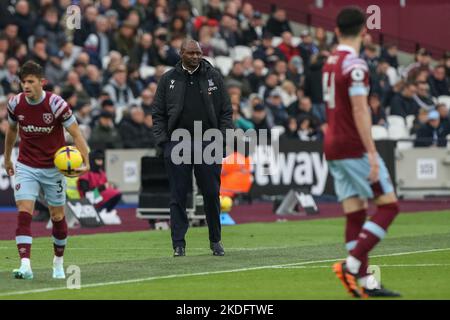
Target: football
(67, 159)
(226, 203)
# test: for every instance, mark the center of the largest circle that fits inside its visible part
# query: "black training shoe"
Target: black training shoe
(381, 292)
(217, 248)
(179, 252)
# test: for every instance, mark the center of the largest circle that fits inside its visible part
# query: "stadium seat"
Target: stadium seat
(379, 132)
(410, 121)
(146, 71)
(225, 64)
(404, 145)
(445, 100)
(105, 61)
(210, 60)
(396, 121)
(276, 41)
(296, 41)
(397, 132)
(239, 53)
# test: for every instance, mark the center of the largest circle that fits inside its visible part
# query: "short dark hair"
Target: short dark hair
(31, 68)
(350, 21)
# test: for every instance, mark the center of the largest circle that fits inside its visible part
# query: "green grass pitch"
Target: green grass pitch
(282, 260)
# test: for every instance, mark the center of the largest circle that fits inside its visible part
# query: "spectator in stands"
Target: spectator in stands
(313, 84)
(134, 132)
(11, 32)
(87, 27)
(256, 78)
(105, 135)
(25, 20)
(290, 130)
(304, 106)
(444, 116)
(278, 22)
(419, 121)
(70, 55)
(118, 89)
(105, 36)
(389, 54)
(277, 108)
(237, 74)
(379, 82)
(177, 27)
(134, 80)
(403, 104)
(73, 83)
(147, 97)
(125, 38)
(95, 181)
(270, 83)
(267, 52)
(439, 84)
(288, 92)
(422, 61)
(92, 81)
(320, 39)
(371, 57)
(51, 30)
(161, 51)
(229, 30)
(423, 97)
(286, 46)
(141, 54)
(54, 71)
(280, 69)
(446, 63)
(377, 110)
(253, 35)
(261, 118)
(307, 47)
(11, 81)
(306, 129)
(432, 134)
(239, 119)
(39, 52)
(213, 10)
(295, 70)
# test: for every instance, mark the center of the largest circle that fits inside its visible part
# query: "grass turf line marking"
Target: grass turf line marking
(172, 276)
(379, 265)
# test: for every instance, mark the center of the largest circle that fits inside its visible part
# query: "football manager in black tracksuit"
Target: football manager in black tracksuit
(192, 91)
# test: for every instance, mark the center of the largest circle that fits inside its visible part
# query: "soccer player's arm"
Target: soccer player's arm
(64, 114)
(358, 92)
(10, 140)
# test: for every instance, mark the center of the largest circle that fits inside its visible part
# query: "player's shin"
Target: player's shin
(23, 237)
(59, 233)
(372, 232)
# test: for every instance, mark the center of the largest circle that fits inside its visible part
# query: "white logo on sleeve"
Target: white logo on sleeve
(357, 74)
(172, 84)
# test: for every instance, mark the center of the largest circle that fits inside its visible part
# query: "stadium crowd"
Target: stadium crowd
(108, 69)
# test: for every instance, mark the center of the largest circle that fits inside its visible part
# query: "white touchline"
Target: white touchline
(379, 265)
(101, 284)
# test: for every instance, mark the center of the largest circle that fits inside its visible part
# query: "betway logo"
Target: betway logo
(32, 129)
(302, 168)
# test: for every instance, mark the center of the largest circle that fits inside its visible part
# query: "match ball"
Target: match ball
(226, 203)
(67, 159)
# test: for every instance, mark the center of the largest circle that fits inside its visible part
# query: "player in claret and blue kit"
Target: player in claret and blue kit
(40, 118)
(358, 171)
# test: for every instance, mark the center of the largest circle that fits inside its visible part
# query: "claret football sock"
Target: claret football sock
(23, 235)
(372, 232)
(354, 223)
(59, 233)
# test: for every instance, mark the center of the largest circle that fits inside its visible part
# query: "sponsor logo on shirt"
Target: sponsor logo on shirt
(33, 129)
(211, 86)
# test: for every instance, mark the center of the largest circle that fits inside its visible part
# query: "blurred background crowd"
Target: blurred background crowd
(108, 69)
